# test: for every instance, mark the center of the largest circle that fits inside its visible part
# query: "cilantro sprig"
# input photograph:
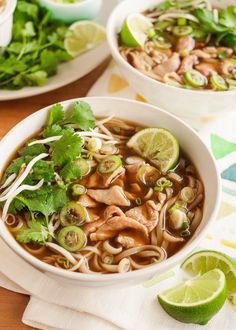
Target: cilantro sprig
(36, 48)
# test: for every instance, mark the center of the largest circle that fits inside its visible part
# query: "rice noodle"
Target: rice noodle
(196, 219)
(22, 177)
(171, 238)
(62, 251)
(16, 192)
(136, 250)
(148, 194)
(8, 181)
(124, 265)
(77, 266)
(111, 249)
(195, 203)
(37, 251)
(44, 141)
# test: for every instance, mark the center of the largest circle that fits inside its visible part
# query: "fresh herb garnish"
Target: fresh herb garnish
(71, 171)
(36, 232)
(36, 49)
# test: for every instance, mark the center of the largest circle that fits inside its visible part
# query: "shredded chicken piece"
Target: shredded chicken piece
(87, 201)
(207, 69)
(113, 226)
(187, 63)
(114, 195)
(200, 53)
(147, 214)
(112, 211)
(185, 44)
(170, 65)
(91, 227)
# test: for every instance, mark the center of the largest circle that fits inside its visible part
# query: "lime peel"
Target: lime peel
(197, 300)
(157, 145)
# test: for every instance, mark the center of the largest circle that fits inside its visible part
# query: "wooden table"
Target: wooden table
(12, 305)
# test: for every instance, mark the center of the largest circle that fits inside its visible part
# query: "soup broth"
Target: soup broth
(114, 212)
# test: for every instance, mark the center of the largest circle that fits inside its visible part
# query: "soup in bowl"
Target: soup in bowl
(101, 190)
(181, 50)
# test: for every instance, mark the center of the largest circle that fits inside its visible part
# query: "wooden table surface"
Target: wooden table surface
(12, 305)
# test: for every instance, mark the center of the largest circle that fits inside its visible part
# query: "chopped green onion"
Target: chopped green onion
(151, 34)
(162, 43)
(195, 78)
(222, 54)
(78, 189)
(94, 144)
(177, 218)
(178, 205)
(73, 214)
(109, 164)
(185, 233)
(108, 259)
(162, 183)
(182, 31)
(218, 82)
(138, 201)
(72, 238)
(187, 194)
(181, 21)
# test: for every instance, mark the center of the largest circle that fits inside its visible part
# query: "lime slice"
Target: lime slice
(83, 36)
(197, 300)
(158, 145)
(203, 261)
(134, 30)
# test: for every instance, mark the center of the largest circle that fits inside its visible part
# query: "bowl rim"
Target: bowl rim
(116, 54)
(101, 278)
(80, 3)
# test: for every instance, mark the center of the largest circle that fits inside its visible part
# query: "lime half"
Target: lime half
(158, 145)
(83, 36)
(203, 261)
(134, 30)
(197, 300)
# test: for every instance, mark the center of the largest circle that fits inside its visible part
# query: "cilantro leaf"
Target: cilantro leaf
(37, 78)
(36, 233)
(42, 170)
(227, 16)
(71, 171)
(206, 19)
(67, 148)
(55, 114)
(15, 166)
(46, 200)
(48, 62)
(81, 115)
(53, 130)
(34, 150)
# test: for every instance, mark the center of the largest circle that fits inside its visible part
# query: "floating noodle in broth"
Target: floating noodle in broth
(81, 196)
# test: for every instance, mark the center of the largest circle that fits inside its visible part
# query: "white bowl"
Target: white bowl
(6, 16)
(182, 102)
(71, 12)
(146, 115)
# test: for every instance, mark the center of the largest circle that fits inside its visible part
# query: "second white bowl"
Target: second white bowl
(188, 104)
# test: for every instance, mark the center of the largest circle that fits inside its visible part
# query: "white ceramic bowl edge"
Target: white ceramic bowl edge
(148, 116)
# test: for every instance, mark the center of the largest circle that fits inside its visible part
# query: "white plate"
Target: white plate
(70, 71)
(67, 73)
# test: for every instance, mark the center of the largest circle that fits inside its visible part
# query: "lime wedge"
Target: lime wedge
(134, 30)
(203, 261)
(83, 36)
(197, 300)
(158, 145)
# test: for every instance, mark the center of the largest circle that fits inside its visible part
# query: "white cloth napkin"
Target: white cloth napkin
(58, 305)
